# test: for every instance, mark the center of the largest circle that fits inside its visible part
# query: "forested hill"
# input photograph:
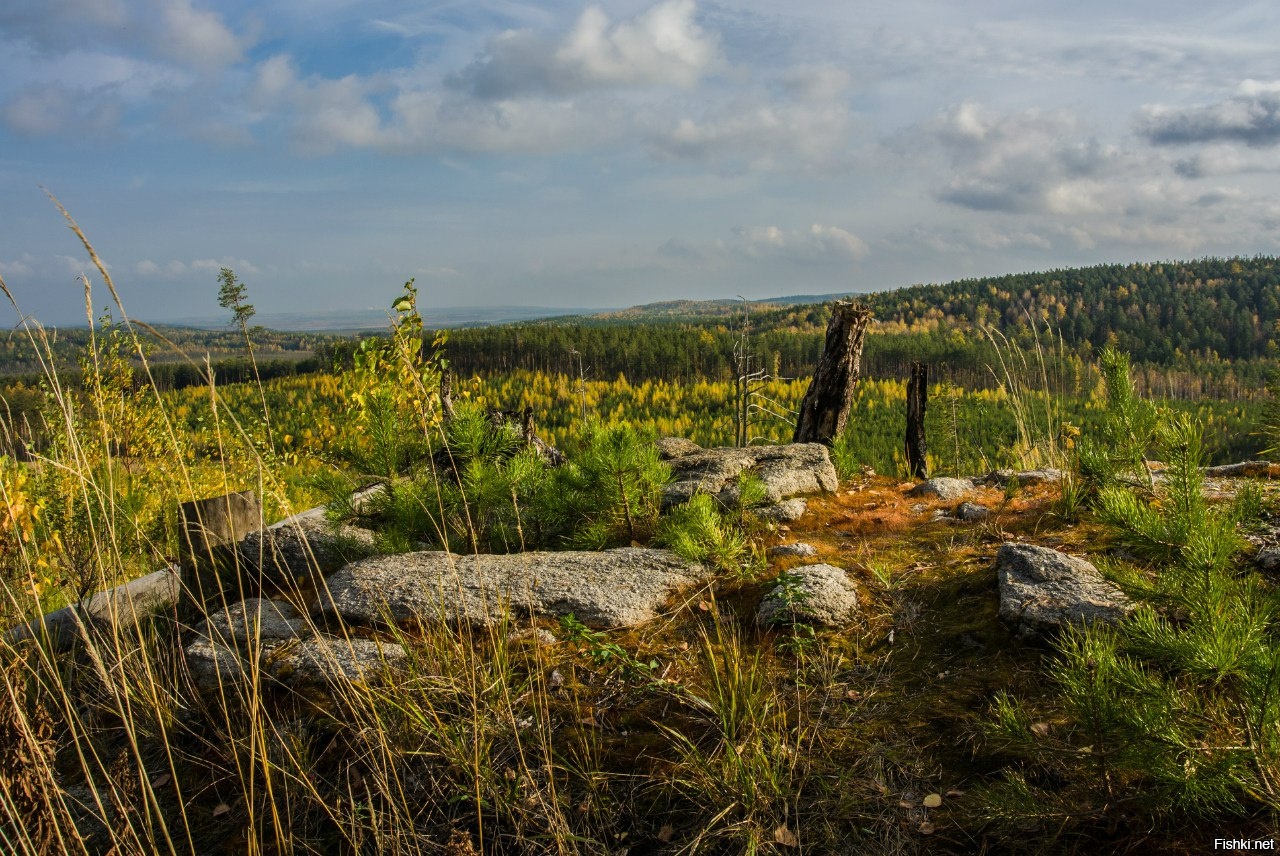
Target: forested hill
(1228, 308)
(1209, 308)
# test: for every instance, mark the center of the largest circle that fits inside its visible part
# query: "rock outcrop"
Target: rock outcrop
(787, 471)
(1043, 590)
(813, 594)
(265, 639)
(613, 588)
(305, 547)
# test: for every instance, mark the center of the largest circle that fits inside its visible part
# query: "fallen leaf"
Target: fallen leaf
(926, 828)
(785, 836)
(906, 803)
(1040, 729)
(932, 801)
(953, 793)
(222, 809)
(666, 833)
(161, 780)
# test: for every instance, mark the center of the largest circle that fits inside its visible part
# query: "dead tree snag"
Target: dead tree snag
(826, 405)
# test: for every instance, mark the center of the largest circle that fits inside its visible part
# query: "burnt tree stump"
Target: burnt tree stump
(917, 399)
(211, 529)
(825, 408)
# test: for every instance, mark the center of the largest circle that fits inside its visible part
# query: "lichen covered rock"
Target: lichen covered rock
(1043, 590)
(813, 594)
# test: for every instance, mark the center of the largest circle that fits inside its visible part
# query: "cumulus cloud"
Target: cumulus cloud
(807, 124)
(1021, 162)
(176, 30)
(663, 46)
(1251, 117)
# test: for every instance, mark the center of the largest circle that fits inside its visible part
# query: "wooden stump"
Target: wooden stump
(825, 408)
(917, 399)
(211, 529)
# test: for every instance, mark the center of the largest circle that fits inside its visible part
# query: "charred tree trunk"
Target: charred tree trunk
(826, 405)
(917, 398)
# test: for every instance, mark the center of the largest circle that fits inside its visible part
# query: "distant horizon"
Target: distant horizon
(488, 315)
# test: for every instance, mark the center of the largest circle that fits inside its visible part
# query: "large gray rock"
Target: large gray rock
(305, 547)
(814, 594)
(1043, 590)
(613, 588)
(215, 666)
(316, 661)
(787, 471)
(942, 488)
(253, 622)
(329, 660)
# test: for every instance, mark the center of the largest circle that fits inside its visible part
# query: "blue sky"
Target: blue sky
(562, 154)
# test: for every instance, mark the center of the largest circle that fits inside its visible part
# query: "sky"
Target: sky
(604, 155)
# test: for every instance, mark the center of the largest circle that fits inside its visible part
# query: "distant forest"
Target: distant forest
(1208, 327)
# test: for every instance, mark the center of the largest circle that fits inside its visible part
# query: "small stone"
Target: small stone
(533, 636)
(971, 512)
(1268, 560)
(945, 489)
(786, 551)
(813, 594)
(675, 447)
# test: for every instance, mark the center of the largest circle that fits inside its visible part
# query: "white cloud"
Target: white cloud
(663, 46)
(1020, 162)
(818, 243)
(175, 30)
(240, 266)
(50, 108)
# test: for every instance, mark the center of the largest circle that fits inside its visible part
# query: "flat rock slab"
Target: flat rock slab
(1043, 590)
(612, 588)
(329, 660)
(787, 471)
(942, 488)
(306, 547)
(813, 594)
(255, 620)
(314, 662)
